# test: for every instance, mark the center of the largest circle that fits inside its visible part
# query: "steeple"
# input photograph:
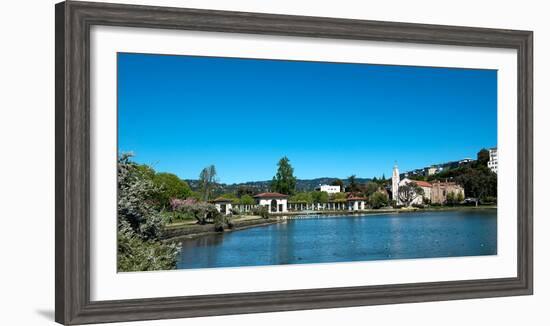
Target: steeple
(395, 183)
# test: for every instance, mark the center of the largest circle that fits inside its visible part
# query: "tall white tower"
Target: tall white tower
(395, 183)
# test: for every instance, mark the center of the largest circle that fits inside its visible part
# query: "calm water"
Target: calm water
(355, 238)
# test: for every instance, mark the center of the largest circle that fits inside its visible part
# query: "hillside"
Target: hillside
(263, 186)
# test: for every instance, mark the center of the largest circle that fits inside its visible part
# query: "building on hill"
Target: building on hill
(329, 189)
(432, 170)
(426, 187)
(435, 192)
(441, 189)
(493, 160)
(274, 201)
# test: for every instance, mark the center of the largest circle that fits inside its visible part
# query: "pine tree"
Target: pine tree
(284, 181)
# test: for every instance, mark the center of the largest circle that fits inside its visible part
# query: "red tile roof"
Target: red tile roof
(422, 183)
(222, 200)
(270, 195)
(356, 198)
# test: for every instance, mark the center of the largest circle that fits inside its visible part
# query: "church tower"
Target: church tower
(395, 184)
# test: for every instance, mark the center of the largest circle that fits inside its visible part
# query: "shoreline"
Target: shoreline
(186, 231)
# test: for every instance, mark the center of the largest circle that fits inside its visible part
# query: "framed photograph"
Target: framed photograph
(215, 162)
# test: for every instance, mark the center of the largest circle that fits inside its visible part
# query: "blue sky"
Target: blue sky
(182, 113)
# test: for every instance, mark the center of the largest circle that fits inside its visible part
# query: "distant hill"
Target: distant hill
(263, 186)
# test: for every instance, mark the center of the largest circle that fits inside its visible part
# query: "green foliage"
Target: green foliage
(221, 222)
(136, 254)
(302, 197)
(418, 177)
(483, 157)
(146, 171)
(378, 200)
(409, 192)
(140, 225)
(201, 211)
(339, 196)
(234, 199)
(371, 188)
(476, 178)
(170, 186)
(284, 181)
(478, 182)
(261, 211)
(319, 196)
(247, 200)
(451, 198)
(338, 182)
(244, 190)
(459, 197)
(489, 200)
(353, 186)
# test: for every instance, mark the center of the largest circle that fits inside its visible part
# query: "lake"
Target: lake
(324, 239)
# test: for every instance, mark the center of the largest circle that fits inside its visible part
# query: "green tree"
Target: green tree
(302, 197)
(170, 186)
(338, 182)
(231, 196)
(478, 182)
(371, 188)
(378, 200)
(339, 196)
(207, 178)
(244, 190)
(451, 198)
(483, 157)
(284, 181)
(247, 200)
(319, 196)
(353, 186)
(409, 192)
(140, 225)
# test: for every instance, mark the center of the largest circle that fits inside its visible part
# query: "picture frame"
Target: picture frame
(72, 191)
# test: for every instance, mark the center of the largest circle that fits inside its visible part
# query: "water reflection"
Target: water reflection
(339, 239)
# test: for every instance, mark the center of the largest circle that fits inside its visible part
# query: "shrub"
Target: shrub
(202, 212)
(261, 211)
(136, 254)
(247, 200)
(489, 200)
(140, 225)
(378, 200)
(221, 222)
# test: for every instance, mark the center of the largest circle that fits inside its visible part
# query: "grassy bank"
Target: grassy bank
(187, 230)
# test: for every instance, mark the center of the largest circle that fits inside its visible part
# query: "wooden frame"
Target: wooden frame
(72, 192)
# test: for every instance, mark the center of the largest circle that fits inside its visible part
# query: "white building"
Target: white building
(426, 186)
(356, 203)
(432, 170)
(223, 205)
(274, 201)
(395, 184)
(493, 160)
(330, 189)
